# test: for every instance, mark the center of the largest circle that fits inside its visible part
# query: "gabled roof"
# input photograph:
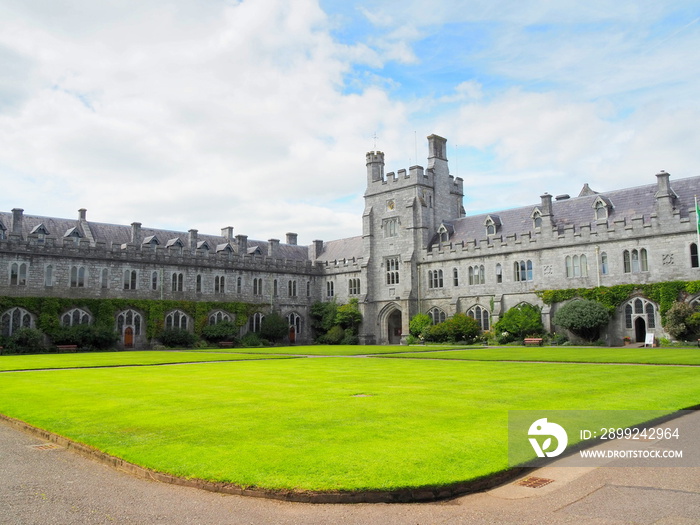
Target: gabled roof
(40, 228)
(151, 239)
(72, 232)
(174, 242)
(578, 211)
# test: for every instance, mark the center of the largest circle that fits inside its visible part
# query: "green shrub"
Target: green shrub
(334, 336)
(521, 321)
(251, 340)
(461, 327)
(27, 341)
(86, 337)
(350, 338)
(177, 338)
(583, 318)
(223, 331)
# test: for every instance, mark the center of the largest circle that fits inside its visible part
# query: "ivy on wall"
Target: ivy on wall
(664, 294)
(104, 311)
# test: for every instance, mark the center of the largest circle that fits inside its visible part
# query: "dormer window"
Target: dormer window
(536, 219)
(151, 241)
(204, 246)
(73, 233)
(445, 231)
(40, 231)
(602, 207)
(226, 247)
(492, 224)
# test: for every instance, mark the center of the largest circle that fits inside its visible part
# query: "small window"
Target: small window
(48, 276)
(455, 277)
(604, 263)
(499, 273)
(154, 280)
(694, 256)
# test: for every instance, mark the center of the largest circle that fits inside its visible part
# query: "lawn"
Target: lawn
(680, 356)
(325, 423)
(97, 359)
(335, 350)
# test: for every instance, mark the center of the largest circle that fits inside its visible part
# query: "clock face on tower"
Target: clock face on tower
(390, 205)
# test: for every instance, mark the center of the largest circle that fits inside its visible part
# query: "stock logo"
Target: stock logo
(542, 427)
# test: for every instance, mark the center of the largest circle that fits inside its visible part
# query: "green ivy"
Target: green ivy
(49, 309)
(664, 294)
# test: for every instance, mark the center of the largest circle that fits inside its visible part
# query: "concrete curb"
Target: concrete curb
(408, 495)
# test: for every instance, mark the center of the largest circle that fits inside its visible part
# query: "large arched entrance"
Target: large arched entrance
(394, 327)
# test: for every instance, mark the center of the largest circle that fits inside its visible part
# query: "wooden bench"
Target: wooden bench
(533, 341)
(67, 348)
(225, 344)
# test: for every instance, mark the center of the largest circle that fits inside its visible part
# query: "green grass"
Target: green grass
(684, 356)
(299, 423)
(333, 350)
(82, 360)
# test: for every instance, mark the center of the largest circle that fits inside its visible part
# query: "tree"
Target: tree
(348, 316)
(681, 321)
(583, 318)
(419, 324)
(274, 327)
(521, 321)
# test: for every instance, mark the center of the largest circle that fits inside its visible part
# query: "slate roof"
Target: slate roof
(578, 211)
(341, 250)
(121, 234)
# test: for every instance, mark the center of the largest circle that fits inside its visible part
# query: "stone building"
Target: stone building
(418, 252)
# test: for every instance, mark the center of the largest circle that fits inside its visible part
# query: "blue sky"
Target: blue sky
(258, 114)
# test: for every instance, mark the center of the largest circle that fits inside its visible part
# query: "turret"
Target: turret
(375, 167)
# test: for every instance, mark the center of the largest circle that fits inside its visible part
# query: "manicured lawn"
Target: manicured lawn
(325, 424)
(335, 349)
(685, 356)
(81, 360)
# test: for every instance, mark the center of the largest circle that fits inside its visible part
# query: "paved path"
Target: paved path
(56, 486)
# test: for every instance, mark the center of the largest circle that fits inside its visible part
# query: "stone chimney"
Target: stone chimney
(291, 239)
(315, 250)
(136, 233)
(242, 241)
(273, 248)
(546, 207)
(664, 194)
(227, 233)
(82, 214)
(17, 219)
(192, 238)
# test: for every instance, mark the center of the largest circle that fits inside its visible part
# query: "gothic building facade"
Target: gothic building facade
(418, 252)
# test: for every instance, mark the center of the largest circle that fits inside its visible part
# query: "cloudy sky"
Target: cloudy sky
(258, 113)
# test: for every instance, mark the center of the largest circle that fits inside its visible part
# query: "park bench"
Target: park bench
(225, 344)
(533, 341)
(67, 348)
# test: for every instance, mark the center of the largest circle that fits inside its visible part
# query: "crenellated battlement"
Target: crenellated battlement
(123, 254)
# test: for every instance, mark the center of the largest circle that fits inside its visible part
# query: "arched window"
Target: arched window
(129, 319)
(176, 320)
(604, 263)
(14, 319)
(437, 315)
(219, 316)
(219, 284)
(455, 277)
(177, 280)
(392, 270)
(198, 283)
(77, 277)
(18, 274)
(522, 270)
(435, 279)
(694, 263)
(292, 288)
(154, 280)
(75, 317)
(499, 273)
(295, 322)
(104, 278)
(239, 284)
(635, 261)
(130, 279)
(257, 286)
(481, 316)
(330, 289)
(643, 308)
(354, 287)
(256, 322)
(275, 292)
(48, 276)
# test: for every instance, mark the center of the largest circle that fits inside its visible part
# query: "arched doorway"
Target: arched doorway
(394, 327)
(640, 329)
(292, 334)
